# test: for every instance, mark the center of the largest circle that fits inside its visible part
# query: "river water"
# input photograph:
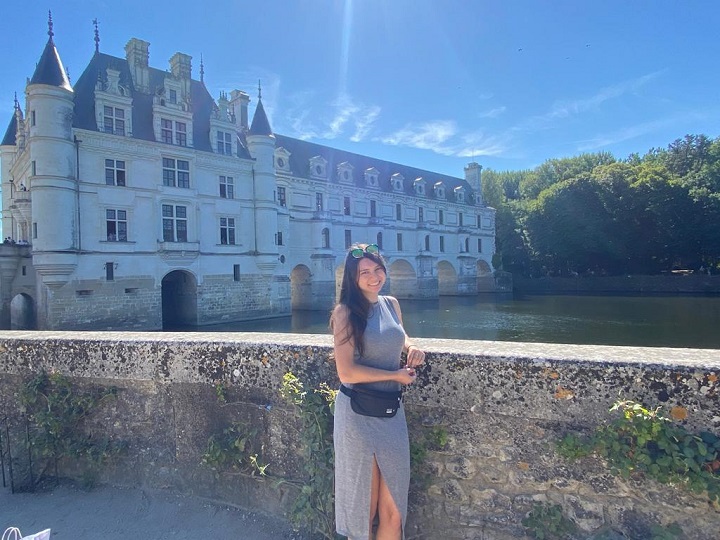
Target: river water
(647, 321)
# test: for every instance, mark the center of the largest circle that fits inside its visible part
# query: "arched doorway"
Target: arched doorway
(22, 313)
(403, 279)
(447, 279)
(179, 300)
(301, 293)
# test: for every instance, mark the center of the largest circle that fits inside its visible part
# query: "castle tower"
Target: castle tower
(51, 177)
(473, 172)
(261, 144)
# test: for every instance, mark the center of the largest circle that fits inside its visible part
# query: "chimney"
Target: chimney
(239, 101)
(180, 66)
(473, 176)
(137, 53)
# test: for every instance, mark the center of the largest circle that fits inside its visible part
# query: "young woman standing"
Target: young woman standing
(372, 456)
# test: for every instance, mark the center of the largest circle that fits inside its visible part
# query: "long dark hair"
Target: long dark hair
(352, 297)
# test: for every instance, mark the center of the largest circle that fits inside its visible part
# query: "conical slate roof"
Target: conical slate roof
(10, 134)
(260, 124)
(50, 69)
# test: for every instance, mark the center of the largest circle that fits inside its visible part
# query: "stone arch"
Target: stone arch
(447, 279)
(483, 268)
(22, 313)
(402, 279)
(179, 300)
(301, 293)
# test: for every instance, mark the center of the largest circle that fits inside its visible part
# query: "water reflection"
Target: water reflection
(660, 321)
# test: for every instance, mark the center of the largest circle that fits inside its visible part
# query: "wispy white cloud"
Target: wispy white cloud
(344, 117)
(568, 108)
(443, 137)
(493, 113)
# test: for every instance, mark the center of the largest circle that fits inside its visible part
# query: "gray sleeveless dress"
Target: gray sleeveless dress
(359, 438)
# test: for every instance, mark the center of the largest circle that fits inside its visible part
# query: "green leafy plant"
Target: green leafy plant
(235, 449)
(422, 441)
(641, 440)
(546, 521)
(313, 508)
(670, 532)
(57, 411)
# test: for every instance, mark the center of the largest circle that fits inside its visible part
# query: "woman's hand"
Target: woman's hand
(415, 356)
(405, 375)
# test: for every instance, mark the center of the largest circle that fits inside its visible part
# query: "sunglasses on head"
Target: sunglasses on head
(359, 252)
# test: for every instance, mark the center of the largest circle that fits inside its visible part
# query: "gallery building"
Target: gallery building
(132, 199)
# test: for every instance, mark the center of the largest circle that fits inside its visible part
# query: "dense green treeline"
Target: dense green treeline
(597, 214)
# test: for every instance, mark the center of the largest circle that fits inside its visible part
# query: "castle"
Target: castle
(133, 200)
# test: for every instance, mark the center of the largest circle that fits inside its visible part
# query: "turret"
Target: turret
(261, 145)
(52, 174)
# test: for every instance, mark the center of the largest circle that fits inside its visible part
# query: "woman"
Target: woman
(372, 456)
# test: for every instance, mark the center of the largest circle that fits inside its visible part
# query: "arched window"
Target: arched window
(326, 238)
(379, 240)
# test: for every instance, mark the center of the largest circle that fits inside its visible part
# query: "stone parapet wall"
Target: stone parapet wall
(502, 407)
(673, 284)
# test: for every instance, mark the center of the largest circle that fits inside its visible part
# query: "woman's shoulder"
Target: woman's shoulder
(340, 311)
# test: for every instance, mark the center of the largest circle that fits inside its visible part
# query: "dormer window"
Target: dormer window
(172, 96)
(439, 189)
(345, 173)
(460, 194)
(476, 197)
(419, 186)
(372, 176)
(318, 167)
(397, 181)
(282, 160)
(224, 143)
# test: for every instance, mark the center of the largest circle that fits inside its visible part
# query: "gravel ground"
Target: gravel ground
(111, 513)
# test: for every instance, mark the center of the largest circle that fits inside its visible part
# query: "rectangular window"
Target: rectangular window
(319, 202)
(35, 230)
(421, 215)
(174, 223)
(113, 120)
(33, 167)
(227, 231)
(181, 133)
(166, 131)
(479, 222)
(116, 225)
(441, 217)
(109, 271)
(399, 242)
(282, 196)
(460, 219)
(373, 209)
(114, 172)
(442, 244)
(224, 143)
(346, 206)
(176, 172)
(32, 117)
(479, 245)
(172, 96)
(227, 187)
(278, 238)
(348, 238)
(236, 272)
(398, 212)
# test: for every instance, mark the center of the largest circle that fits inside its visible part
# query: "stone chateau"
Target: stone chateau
(132, 199)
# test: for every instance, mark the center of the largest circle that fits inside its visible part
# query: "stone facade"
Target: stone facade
(137, 175)
(503, 407)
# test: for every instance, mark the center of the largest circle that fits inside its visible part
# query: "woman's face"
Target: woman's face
(370, 278)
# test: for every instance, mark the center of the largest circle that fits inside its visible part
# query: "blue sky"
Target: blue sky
(429, 83)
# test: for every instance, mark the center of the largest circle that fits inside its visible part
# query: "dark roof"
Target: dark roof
(302, 151)
(10, 134)
(142, 117)
(260, 124)
(50, 70)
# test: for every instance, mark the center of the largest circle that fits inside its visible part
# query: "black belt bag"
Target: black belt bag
(373, 402)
